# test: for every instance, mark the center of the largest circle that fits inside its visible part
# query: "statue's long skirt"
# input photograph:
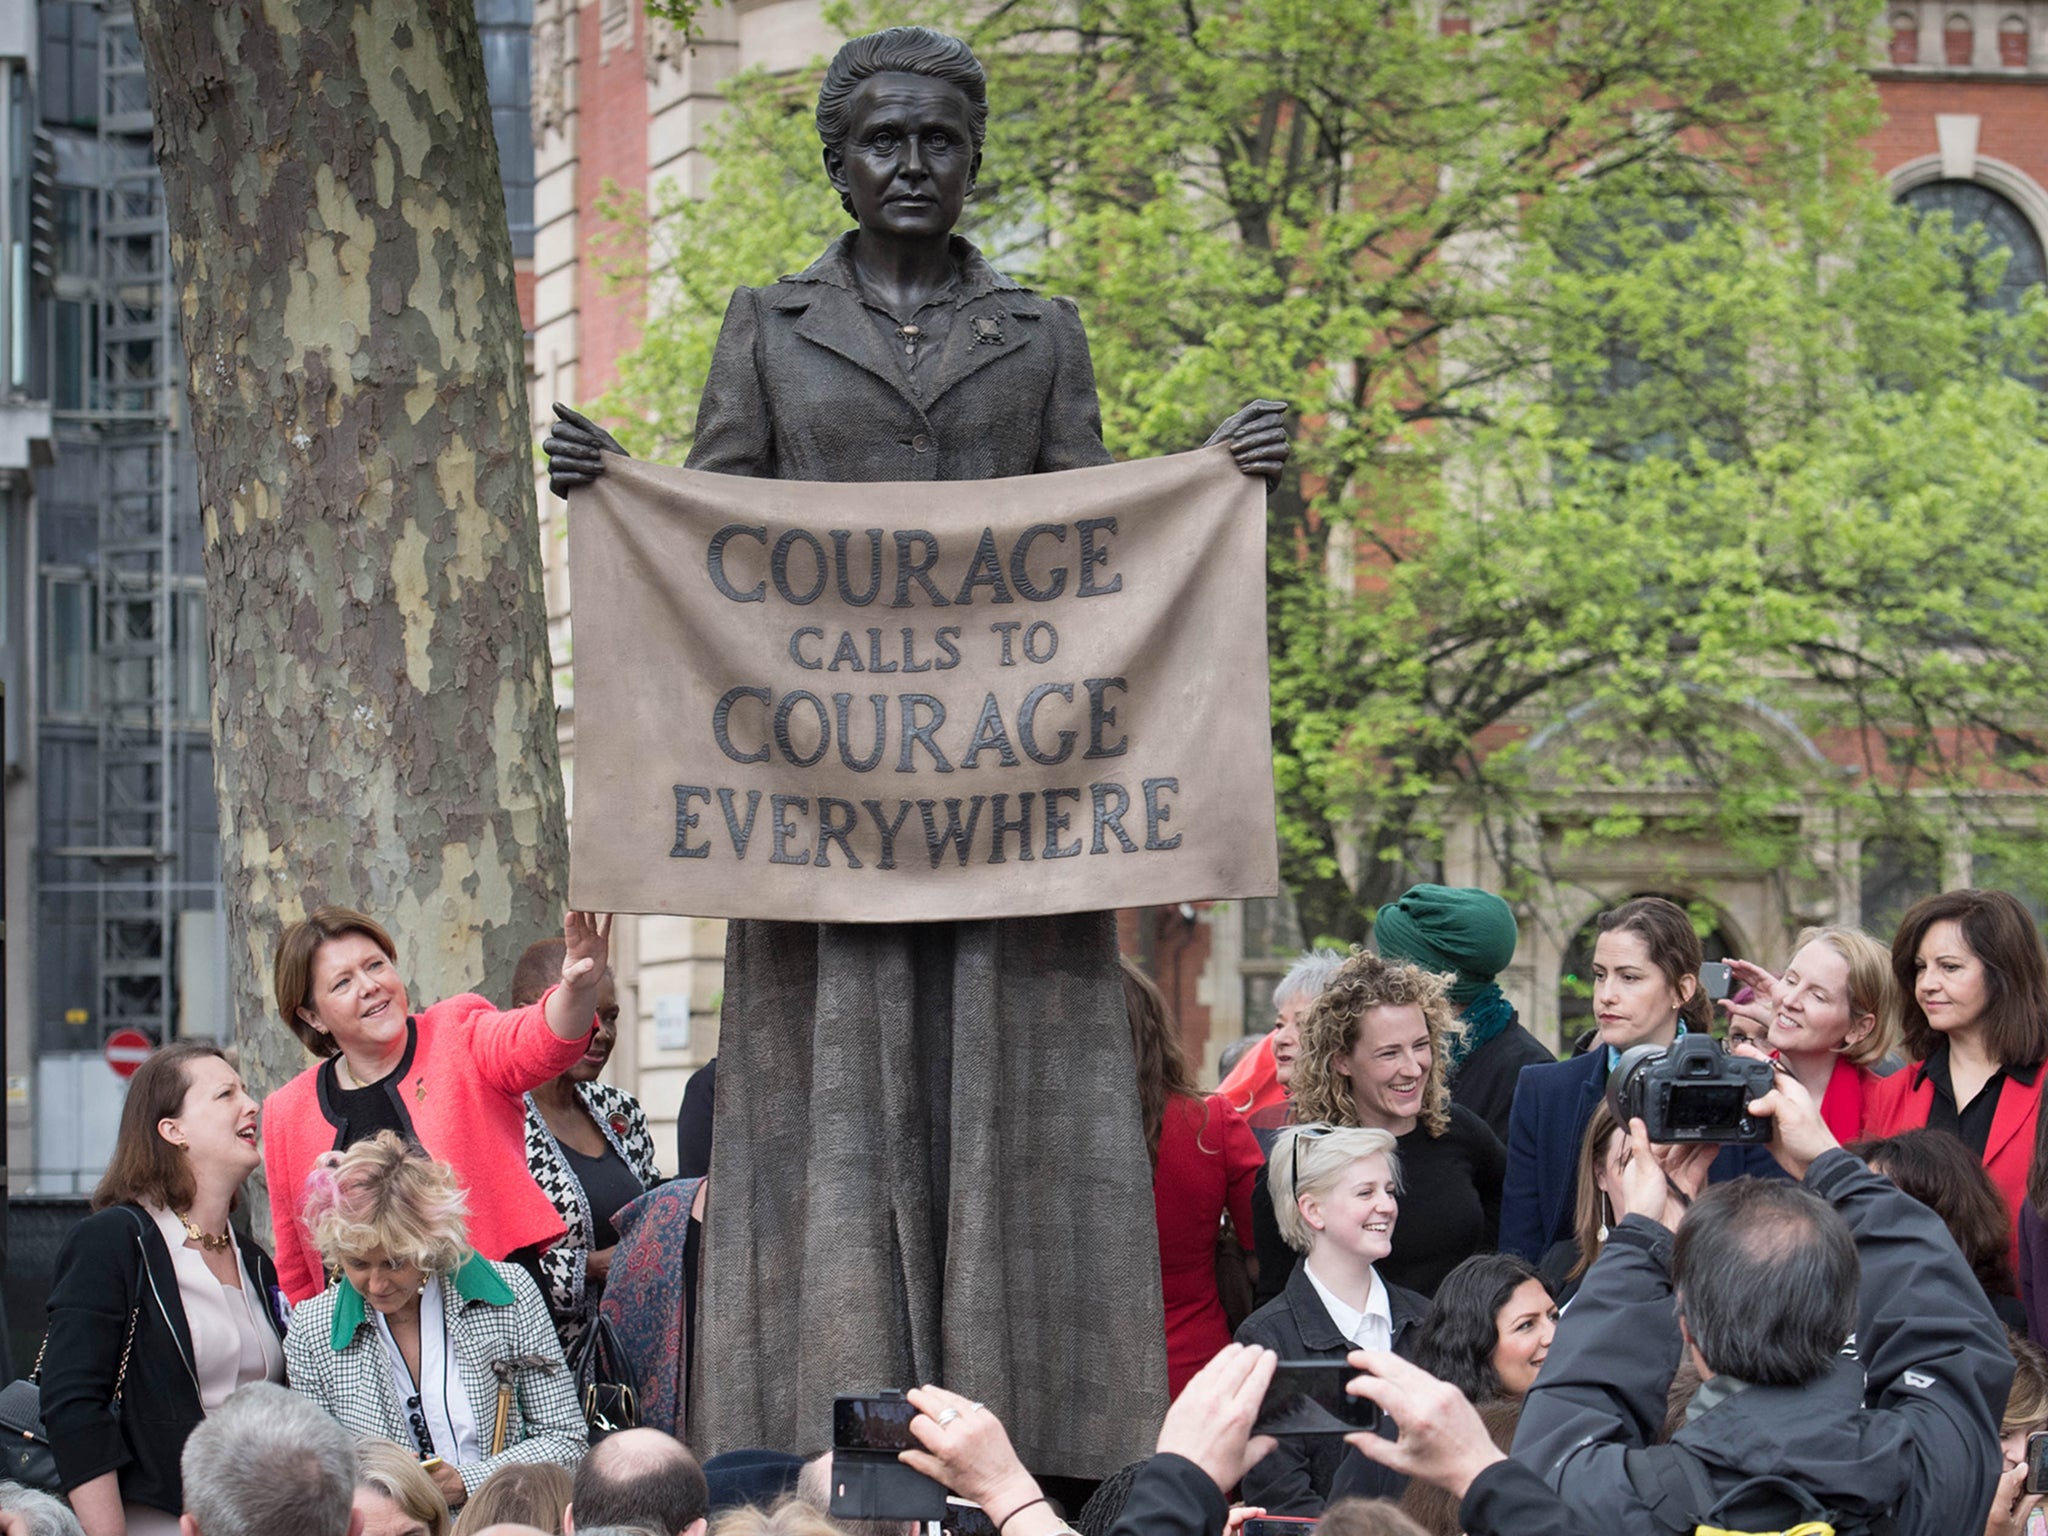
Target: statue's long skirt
(929, 1166)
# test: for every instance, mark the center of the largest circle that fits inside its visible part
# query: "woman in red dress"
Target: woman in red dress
(1205, 1161)
(1975, 985)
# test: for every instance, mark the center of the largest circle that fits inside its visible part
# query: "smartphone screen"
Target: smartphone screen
(880, 1422)
(1307, 1397)
(2037, 1462)
(1716, 980)
(1278, 1525)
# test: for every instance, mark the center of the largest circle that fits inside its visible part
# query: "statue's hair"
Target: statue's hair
(900, 51)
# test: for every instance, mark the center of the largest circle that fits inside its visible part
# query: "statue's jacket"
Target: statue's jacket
(805, 386)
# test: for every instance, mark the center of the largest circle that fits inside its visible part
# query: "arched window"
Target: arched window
(2006, 228)
(1958, 40)
(2012, 42)
(1905, 40)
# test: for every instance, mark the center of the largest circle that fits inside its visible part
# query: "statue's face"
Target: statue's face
(909, 161)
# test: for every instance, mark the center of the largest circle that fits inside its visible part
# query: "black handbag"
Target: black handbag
(28, 1459)
(604, 1379)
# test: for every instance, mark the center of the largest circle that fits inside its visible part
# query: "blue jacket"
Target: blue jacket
(1554, 1102)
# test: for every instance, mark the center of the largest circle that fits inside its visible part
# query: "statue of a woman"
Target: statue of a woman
(928, 1163)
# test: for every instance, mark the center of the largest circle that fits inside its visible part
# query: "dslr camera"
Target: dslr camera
(1690, 1090)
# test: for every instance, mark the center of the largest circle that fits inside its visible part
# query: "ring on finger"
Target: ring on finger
(947, 1416)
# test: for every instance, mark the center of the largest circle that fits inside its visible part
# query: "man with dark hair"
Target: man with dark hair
(1875, 1406)
(639, 1477)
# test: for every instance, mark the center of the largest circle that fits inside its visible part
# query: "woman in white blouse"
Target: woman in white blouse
(416, 1338)
(159, 1309)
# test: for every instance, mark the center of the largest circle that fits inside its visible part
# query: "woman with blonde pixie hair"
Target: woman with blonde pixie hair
(1833, 1018)
(1336, 1196)
(408, 1343)
(393, 1494)
(1375, 1052)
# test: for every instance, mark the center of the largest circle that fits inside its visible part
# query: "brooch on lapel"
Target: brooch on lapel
(619, 1123)
(988, 329)
(419, 1091)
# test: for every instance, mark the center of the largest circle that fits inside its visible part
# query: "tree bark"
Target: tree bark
(383, 717)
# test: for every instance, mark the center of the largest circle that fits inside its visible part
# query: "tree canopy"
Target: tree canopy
(1645, 444)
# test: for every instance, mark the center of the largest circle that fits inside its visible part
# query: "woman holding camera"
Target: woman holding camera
(1646, 991)
(1975, 984)
(1374, 1045)
(1833, 1018)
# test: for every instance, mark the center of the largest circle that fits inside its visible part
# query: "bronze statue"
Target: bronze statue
(928, 1163)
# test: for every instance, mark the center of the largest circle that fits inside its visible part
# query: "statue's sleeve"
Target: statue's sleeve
(1070, 436)
(735, 435)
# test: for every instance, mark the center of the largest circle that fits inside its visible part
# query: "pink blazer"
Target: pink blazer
(462, 1082)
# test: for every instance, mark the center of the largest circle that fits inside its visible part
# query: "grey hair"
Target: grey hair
(1325, 1151)
(1306, 978)
(900, 51)
(268, 1460)
(43, 1515)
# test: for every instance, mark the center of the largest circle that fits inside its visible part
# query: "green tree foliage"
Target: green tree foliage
(1644, 441)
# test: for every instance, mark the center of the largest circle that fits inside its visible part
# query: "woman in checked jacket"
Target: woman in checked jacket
(422, 1341)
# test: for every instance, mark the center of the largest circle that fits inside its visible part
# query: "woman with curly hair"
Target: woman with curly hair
(1374, 1048)
(422, 1340)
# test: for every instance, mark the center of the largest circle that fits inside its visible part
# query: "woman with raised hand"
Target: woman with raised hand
(452, 1078)
(1373, 1048)
(422, 1340)
(1974, 985)
(1833, 1018)
(159, 1309)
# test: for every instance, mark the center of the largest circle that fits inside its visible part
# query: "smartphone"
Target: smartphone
(868, 1482)
(1717, 980)
(2037, 1461)
(965, 1519)
(878, 1421)
(1278, 1525)
(1307, 1397)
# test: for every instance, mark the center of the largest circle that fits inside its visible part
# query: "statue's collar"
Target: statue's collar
(977, 277)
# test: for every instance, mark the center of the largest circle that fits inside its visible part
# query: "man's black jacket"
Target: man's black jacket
(1908, 1428)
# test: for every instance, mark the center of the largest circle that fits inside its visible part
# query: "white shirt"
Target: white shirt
(1371, 1329)
(444, 1404)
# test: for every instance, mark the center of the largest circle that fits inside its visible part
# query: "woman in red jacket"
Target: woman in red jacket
(1833, 1018)
(452, 1079)
(1205, 1160)
(1975, 985)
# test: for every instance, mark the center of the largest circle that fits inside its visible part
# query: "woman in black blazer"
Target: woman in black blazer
(1334, 1193)
(159, 1309)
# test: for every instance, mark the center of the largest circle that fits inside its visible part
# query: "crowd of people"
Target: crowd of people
(1570, 1329)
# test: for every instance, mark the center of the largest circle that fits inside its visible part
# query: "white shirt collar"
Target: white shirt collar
(1371, 1329)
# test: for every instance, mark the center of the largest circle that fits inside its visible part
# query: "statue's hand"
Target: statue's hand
(1258, 439)
(575, 450)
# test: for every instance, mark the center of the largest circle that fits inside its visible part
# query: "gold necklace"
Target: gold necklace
(207, 1240)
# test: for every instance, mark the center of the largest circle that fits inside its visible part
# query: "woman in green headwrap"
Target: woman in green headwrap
(1469, 934)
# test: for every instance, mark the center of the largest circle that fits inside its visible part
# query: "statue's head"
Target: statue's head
(902, 114)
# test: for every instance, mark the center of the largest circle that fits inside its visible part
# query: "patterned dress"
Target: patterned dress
(624, 1124)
